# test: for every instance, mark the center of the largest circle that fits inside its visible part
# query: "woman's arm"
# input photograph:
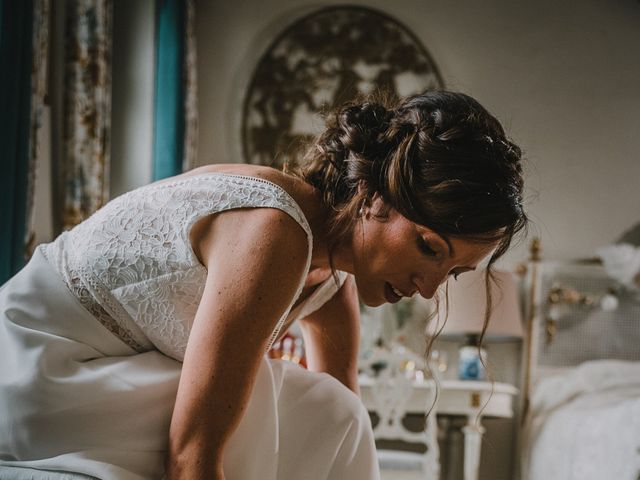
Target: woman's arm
(332, 336)
(256, 260)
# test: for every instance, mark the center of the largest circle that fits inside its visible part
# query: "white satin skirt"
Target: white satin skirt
(76, 402)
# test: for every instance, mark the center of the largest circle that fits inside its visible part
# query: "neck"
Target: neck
(325, 255)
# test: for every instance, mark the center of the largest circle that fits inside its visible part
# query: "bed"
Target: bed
(581, 387)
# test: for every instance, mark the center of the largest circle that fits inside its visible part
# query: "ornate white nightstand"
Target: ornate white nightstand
(473, 399)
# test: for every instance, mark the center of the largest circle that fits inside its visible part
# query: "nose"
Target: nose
(428, 283)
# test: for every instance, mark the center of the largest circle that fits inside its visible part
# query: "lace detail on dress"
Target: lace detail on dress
(132, 260)
(74, 283)
(88, 302)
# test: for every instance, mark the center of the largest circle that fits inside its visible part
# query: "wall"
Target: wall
(562, 76)
(132, 94)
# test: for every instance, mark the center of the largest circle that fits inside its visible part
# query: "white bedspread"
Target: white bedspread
(584, 424)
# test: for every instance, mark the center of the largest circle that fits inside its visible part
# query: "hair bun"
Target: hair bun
(361, 126)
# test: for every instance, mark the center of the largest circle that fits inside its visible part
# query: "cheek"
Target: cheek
(386, 247)
(380, 250)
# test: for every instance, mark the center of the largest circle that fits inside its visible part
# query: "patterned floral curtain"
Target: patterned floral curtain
(39, 69)
(87, 108)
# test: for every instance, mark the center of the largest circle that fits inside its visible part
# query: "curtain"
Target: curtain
(191, 90)
(175, 125)
(39, 95)
(23, 54)
(87, 109)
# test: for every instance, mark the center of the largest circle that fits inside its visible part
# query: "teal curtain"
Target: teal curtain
(169, 124)
(16, 27)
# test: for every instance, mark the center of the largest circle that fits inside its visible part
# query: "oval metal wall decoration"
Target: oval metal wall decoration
(321, 61)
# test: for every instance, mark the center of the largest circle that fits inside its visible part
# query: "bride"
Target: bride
(132, 346)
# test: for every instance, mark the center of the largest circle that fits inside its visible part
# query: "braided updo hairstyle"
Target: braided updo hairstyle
(438, 158)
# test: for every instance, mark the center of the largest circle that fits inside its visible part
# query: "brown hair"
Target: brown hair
(438, 158)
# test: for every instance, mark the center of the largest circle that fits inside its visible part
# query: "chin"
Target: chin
(373, 303)
(369, 295)
(371, 300)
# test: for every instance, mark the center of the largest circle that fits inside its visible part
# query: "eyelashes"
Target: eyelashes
(428, 251)
(424, 247)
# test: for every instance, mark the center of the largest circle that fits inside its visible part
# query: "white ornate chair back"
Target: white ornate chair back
(392, 391)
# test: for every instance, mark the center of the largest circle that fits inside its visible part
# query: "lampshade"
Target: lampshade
(467, 304)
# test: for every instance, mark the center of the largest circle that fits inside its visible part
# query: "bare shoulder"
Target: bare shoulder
(256, 260)
(253, 236)
(271, 225)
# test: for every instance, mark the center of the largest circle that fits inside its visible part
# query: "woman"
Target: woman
(139, 336)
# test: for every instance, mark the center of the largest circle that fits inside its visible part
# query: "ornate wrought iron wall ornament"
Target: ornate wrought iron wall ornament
(321, 61)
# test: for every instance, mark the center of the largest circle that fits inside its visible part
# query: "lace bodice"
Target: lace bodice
(131, 263)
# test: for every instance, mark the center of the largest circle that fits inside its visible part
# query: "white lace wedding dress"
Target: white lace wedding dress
(93, 331)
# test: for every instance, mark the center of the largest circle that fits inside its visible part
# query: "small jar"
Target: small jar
(471, 359)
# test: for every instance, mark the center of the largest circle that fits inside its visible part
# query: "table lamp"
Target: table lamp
(467, 304)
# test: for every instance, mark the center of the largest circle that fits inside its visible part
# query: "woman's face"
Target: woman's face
(397, 258)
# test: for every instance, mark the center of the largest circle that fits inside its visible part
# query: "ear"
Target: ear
(377, 205)
(373, 205)
(365, 203)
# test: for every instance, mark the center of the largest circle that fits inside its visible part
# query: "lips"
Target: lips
(392, 294)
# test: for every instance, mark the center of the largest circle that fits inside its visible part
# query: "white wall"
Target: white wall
(562, 76)
(132, 94)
